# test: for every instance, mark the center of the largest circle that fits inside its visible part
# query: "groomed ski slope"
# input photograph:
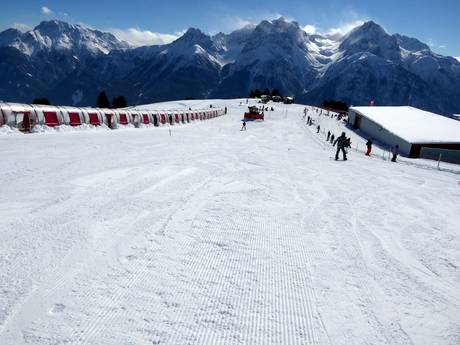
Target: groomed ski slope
(217, 236)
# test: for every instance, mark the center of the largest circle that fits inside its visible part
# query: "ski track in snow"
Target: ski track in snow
(216, 236)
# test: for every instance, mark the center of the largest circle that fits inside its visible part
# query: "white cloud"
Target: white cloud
(234, 23)
(310, 29)
(434, 45)
(240, 23)
(46, 11)
(138, 37)
(22, 27)
(457, 57)
(345, 28)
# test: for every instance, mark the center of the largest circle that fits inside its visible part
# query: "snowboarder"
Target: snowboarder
(328, 135)
(225, 110)
(318, 128)
(332, 138)
(395, 152)
(243, 128)
(341, 144)
(308, 120)
(348, 143)
(369, 147)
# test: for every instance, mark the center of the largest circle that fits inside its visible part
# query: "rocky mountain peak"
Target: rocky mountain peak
(370, 38)
(55, 35)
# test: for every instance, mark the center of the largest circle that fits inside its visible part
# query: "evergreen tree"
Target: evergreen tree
(257, 93)
(42, 100)
(103, 100)
(119, 102)
(266, 92)
(251, 94)
(336, 105)
(275, 92)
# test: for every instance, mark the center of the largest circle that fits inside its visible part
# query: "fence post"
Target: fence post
(439, 159)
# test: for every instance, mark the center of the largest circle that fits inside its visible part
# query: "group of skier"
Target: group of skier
(343, 143)
(394, 150)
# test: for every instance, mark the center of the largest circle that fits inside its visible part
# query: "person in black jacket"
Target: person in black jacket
(395, 152)
(341, 142)
(328, 135)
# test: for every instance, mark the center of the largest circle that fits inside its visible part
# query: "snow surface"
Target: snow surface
(414, 125)
(211, 235)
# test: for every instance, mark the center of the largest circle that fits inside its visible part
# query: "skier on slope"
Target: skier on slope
(369, 147)
(328, 135)
(332, 138)
(243, 128)
(341, 142)
(395, 152)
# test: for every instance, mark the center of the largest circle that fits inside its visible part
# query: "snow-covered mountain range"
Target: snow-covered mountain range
(70, 64)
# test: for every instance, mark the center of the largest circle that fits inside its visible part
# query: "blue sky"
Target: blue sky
(141, 22)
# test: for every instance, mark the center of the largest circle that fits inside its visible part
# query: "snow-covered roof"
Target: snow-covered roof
(413, 125)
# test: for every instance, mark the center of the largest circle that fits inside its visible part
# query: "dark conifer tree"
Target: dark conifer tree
(119, 102)
(103, 100)
(275, 92)
(337, 105)
(43, 100)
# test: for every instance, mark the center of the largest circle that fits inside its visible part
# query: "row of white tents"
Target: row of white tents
(26, 116)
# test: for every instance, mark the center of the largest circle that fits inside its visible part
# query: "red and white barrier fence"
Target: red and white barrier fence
(27, 116)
